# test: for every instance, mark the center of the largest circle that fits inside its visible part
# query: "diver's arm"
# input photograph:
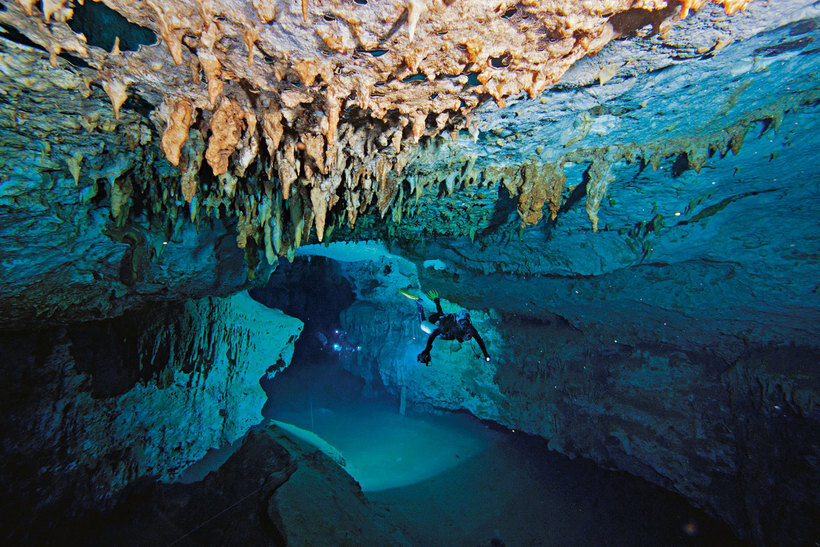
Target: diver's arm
(481, 344)
(437, 300)
(430, 339)
(424, 356)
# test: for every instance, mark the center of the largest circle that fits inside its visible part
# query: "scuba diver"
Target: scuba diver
(449, 326)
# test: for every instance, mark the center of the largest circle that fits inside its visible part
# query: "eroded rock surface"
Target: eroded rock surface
(734, 435)
(91, 407)
(307, 117)
(306, 135)
(713, 254)
(275, 490)
(72, 177)
(637, 243)
(574, 141)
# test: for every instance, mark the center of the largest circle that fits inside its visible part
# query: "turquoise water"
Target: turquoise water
(450, 479)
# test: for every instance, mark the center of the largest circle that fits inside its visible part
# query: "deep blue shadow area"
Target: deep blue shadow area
(101, 26)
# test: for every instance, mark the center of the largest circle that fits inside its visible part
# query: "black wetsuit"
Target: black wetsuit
(449, 327)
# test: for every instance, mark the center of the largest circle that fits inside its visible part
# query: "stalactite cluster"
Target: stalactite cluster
(458, 191)
(308, 114)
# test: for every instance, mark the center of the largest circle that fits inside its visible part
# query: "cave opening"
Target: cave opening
(443, 475)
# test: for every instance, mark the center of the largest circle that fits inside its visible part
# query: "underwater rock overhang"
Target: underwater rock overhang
(330, 98)
(113, 170)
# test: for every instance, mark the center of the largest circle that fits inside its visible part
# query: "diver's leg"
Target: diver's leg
(421, 311)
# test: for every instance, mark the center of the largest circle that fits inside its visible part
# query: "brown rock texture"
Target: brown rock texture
(345, 90)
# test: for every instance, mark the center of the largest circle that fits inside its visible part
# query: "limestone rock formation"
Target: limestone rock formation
(72, 176)
(264, 122)
(338, 93)
(634, 231)
(677, 416)
(275, 490)
(91, 407)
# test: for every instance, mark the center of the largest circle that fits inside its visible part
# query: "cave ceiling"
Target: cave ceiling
(158, 150)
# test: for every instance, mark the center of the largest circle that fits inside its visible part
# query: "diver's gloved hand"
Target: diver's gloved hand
(424, 357)
(432, 294)
(487, 358)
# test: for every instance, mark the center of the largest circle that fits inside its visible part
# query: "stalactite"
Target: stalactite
(340, 139)
(249, 146)
(450, 182)
(265, 215)
(315, 150)
(273, 130)
(226, 131)
(74, 163)
(600, 175)
(178, 116)
(209, 61)
(542, 183)
(278, 223)
(192, 154)
(115, 89)
(319, 203)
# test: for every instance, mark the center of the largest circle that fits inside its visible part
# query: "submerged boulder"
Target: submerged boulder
(276, 489)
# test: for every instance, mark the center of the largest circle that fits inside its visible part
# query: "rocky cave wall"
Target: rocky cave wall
(276, 489)
(665, 320)
(684, 352)
(734, 436)
(737, 267)
(70, 174)
(688, 352)
(93, 406)
(339, 93)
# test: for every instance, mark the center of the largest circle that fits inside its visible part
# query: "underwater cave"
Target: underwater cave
(420, 462)
(410, 273)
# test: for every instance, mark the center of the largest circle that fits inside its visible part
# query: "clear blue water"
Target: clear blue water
(450, 479)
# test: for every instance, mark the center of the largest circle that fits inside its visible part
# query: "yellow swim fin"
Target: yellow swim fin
(408, 295)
